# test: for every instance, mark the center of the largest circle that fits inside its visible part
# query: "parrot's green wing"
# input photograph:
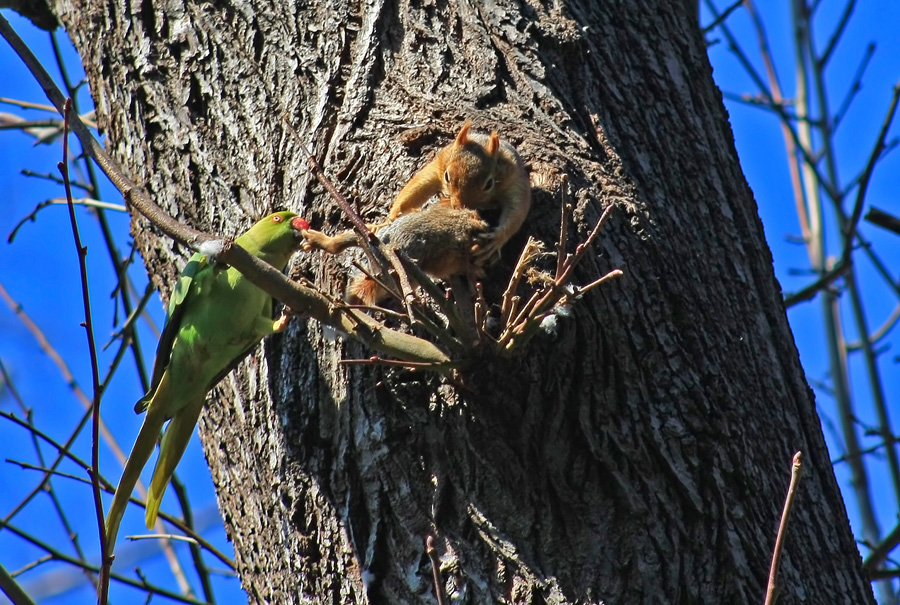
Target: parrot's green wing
(237, 360)
(194, 269)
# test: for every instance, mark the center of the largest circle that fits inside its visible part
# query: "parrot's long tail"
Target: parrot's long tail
(140, 453)
(174, 442)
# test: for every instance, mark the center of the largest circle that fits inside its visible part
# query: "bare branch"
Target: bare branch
(81, 251)
(796, 467)
(90, 202)
(852, 223)
(196, 554)
(109, 488)
(809, 292)
(856, 85)
(60, 556)
(882, 550)
(721, 18)
(877, 149)
(51, 492)
(12, 589)
(883, 219)
(435, 570)
(822, 61)
(27, 104)
(56, 179)
(883, 330)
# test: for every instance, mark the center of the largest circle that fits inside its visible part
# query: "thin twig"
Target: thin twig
(27, 466)
(85, 201)
(809, 292)
(109, 488)
(61, 556)
(883, 330)
(763, 102)
(868, 450)
(176, 537)
(66, 373)
(852, 223)
(27, 104)
(580, 290)
(809, 161)
(126, 332)
(13, 590)
(435, 570)
(37, 563)
(375, 360)
(880, 552)
(81, 251)
(63, 449)
(877, 149)
(336, 195)
(822, 62)
(46, 176)
(406, 289)
(782, 527)
(565, 207)
(788, 133)
(725, 14)
(51, 492)
(510, 300)
(856, 85)
(884, 574)
(524, 322)
(196, 554)
(883, 219)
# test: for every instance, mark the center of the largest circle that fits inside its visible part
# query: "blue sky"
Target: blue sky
(763, 160)
(41, 273)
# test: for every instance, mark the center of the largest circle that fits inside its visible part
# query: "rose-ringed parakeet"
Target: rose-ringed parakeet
(216, 316)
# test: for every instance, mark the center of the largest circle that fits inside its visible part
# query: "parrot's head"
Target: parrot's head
(275, 238)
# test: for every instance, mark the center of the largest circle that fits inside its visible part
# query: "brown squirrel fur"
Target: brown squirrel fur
(438, 239)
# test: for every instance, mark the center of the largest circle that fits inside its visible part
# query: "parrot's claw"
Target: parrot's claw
(281, 323)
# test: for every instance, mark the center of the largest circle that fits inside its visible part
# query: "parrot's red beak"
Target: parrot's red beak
(299, 224)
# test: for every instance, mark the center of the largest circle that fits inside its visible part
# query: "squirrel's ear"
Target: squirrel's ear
(493, 145)
(463, 136)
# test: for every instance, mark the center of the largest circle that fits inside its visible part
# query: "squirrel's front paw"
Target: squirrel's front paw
(311, 239)
(486, 246)
(376, 227)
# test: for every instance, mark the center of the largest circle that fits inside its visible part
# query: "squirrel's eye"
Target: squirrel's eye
(276, 219)
(447, 176)
(489, 184)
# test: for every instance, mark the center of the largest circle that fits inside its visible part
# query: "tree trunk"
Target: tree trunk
(638, 453)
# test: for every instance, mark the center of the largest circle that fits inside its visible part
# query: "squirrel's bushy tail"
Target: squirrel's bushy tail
(365, 291)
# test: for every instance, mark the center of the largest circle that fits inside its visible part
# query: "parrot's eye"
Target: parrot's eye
(447, 176)
(277, 219)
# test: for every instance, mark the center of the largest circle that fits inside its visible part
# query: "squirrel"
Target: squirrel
(477, 172)
(438, 239)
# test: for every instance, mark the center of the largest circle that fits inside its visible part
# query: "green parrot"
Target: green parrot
(216, 316)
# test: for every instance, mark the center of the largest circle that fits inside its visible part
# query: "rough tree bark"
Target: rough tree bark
(640, 453)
